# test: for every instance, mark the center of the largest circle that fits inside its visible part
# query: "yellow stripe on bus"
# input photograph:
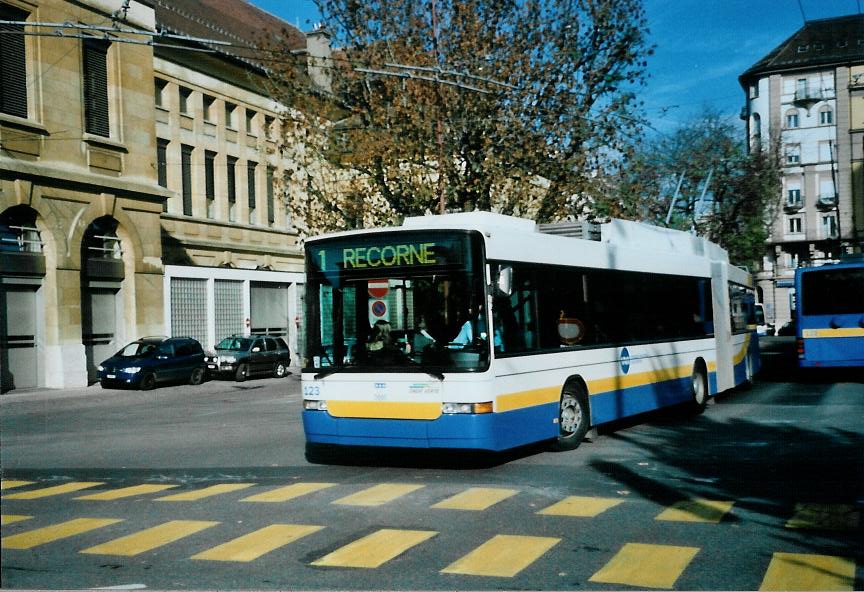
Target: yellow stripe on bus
(739, 357)
(530, 398)
(383, 410)
(605, 385)
(829, 333)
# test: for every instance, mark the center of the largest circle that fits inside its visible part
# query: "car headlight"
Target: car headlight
(100, 368)
(132, 370)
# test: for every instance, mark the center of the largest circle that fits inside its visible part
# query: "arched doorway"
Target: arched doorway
(22, 272)
(102, 274)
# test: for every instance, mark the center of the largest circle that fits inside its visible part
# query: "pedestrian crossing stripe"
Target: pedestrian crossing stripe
(199, 494)
(12, 519)
(287, 493)
(375, 549)
(56, 532)
(825, 517)
(123, 492)
(53, 490)
(10, 484)
(378, 495)
(255, 544)
(795, 571)
(581, 507)
(476, 499)
(697, 510)
(151, 538)
(646, 566)
(502, 556)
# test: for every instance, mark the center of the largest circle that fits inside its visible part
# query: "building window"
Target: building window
(796, 225)
(95, 70)
(829, 226)
(185, 100)
(208, 108)
(250, 122)
(229, 114)
(250, 182)
(186, 171)
(210, 182)
(793, 197)
(269, 132)
(826, 151)
(792, 120)
(271, 210)
(159, 95)
(753, 91)
(793, 154)
(162, 162)
(232, 188)
(13, 63)
(826, 116)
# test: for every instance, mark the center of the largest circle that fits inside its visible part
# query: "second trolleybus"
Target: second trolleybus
(479, 331)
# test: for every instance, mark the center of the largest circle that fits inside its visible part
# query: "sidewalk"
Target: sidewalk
(42, 393)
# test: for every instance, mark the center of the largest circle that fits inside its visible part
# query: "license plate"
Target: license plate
(110, 376)
(211, 366)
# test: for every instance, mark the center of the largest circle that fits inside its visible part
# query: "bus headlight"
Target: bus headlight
(314, 405)
(457, 408)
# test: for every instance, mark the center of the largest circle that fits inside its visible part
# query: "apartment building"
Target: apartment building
(140, 187)
(808, 94)
(80, 248)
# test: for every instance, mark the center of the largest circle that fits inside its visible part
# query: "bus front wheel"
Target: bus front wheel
(573, 419)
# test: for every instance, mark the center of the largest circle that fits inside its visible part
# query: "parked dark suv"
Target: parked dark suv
(151, 360)
(247, 355)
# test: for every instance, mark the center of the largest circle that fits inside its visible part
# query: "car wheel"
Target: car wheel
(281, 370)
(242, 372)
(148, 382)
(197, 376)
(103, 385)
(699, 389)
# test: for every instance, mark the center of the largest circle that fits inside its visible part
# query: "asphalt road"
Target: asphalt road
(765, 489)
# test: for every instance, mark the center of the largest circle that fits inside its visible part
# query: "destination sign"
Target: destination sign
(370, 253)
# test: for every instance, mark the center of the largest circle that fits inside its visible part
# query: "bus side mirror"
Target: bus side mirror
(504, 281)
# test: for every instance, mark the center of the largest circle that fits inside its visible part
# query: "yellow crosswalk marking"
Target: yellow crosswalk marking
(476, 498)
(378, 495)
(255, 544)
(581, 507)
(12, 519)
(825, 517)
(375, 549)
(502, 556)
(794, 571)
(125, 492)
(151, 538)
(697, 510)
(287, 493)
(646, 566)
(53, 490)
(191, 496)
(10, 483)
(48, 534)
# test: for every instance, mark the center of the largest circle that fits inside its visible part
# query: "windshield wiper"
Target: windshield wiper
(435, 374)
(327, 372)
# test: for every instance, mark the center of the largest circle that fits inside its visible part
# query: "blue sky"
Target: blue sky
(702, 46)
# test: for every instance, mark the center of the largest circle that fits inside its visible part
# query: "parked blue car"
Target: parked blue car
(151, 360)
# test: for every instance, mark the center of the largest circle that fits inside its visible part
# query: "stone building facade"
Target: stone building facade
(808, 94)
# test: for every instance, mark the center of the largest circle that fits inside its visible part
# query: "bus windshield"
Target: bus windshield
(832, 291)
(397, 302)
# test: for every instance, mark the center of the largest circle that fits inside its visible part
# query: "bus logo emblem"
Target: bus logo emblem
(625, 360)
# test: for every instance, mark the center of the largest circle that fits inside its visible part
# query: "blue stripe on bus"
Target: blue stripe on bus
(492, 431)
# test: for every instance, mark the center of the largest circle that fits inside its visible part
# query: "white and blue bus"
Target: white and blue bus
(479, 331)
(829, 315)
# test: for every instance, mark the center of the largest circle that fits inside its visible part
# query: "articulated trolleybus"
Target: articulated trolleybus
(830, 315)
(478, 331)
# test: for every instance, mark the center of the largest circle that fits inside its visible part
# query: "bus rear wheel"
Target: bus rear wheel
(573, 419)
(699, 388)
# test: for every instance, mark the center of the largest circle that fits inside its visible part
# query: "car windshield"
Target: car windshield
(234, 343)
(406, 302)
(137, 349)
